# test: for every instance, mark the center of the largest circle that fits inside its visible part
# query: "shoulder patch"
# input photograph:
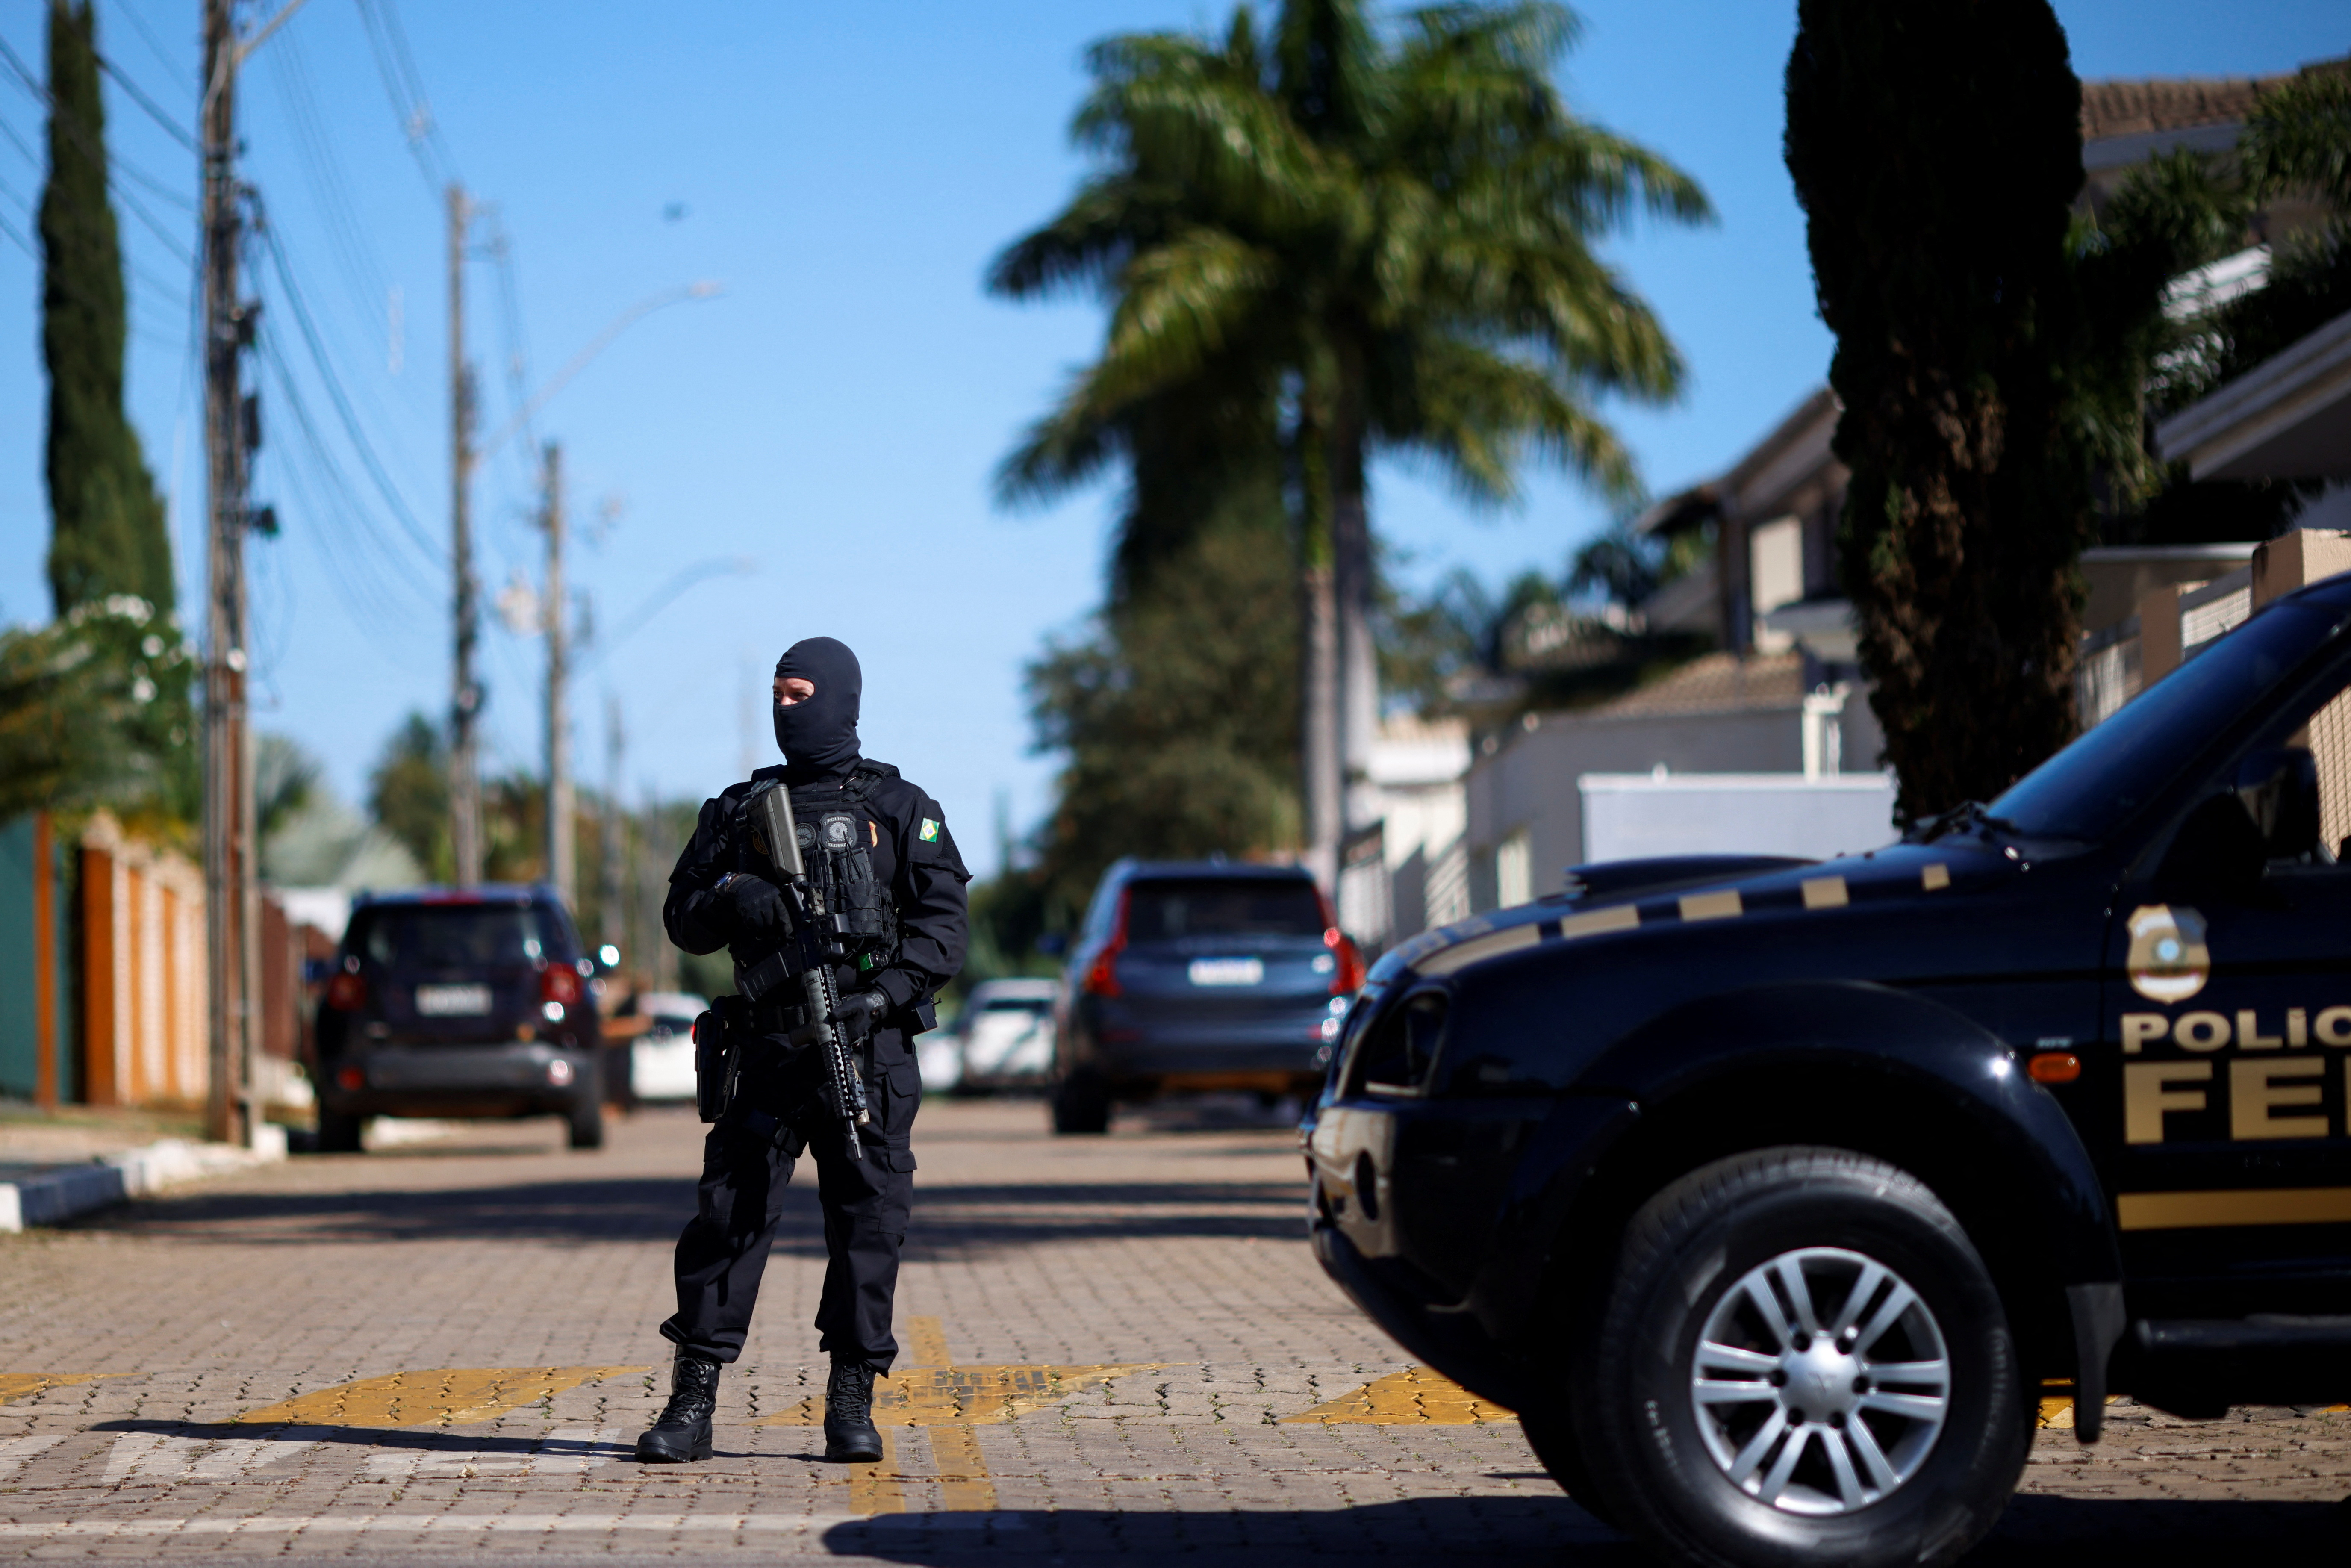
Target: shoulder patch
(929, 832)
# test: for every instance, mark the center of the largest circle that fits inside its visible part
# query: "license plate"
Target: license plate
(453, 1001)
(1227, 971)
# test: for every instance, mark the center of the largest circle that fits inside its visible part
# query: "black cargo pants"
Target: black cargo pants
(722, 1251)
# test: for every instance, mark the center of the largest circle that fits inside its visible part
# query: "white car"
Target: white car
(661, 1064)
(1005, 1038)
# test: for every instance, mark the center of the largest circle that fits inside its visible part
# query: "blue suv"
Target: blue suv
(1199, 975)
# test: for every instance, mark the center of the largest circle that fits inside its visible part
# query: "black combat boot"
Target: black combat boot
(849, 1435)
(682, 1432)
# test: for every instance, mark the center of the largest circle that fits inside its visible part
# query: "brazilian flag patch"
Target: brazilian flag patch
(928, 832)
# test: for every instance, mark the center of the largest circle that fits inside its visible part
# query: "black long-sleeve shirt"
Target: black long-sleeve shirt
(912, 854)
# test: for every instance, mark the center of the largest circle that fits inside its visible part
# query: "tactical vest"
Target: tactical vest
(834, 846)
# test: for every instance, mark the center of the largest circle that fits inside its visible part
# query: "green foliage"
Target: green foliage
(2298, 139)
(94, 712)
(1938, 221)
(408, 794)
(1176, 713)
(1398, 230)
(2171, 215)
(107, 522)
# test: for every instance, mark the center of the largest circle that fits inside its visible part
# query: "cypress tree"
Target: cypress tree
(1936, 152)
(106, 533)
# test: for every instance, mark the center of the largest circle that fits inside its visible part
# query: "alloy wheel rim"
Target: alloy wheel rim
(1821, 1381)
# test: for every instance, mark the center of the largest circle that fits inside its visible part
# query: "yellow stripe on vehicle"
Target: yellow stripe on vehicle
(1826, 892)
(1464, 952)
(1712, 905)
(2248, 1205)
(1623, 917)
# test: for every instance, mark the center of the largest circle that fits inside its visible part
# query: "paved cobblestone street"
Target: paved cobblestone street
(1115, 1347)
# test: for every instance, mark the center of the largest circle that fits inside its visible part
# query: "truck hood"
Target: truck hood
(1629, 899)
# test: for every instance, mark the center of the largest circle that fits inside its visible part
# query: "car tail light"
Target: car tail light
(558, 983)
(1347, 974)
(1101, 977)
(347, 993)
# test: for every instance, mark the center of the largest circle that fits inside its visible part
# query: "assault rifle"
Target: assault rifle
(811, 946)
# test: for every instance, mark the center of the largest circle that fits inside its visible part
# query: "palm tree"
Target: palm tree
(1367, 239)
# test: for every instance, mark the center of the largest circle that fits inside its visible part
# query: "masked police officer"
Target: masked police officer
(905, 944)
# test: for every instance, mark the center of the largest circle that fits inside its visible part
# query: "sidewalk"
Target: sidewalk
(53, 1168)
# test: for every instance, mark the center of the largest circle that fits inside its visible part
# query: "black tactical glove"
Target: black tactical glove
(755, 905)
(859, 1012)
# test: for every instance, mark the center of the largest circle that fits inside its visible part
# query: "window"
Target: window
(1398, 1054)
(1514, 870)
(1173, 909)
(451, 936)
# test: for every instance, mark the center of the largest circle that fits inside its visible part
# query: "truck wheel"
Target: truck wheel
(1081, 1104)
(1552, 1435)
(587, 1123)
(1802, 1360)
(339, 1133)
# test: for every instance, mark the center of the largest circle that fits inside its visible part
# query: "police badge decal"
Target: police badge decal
(2169, 961)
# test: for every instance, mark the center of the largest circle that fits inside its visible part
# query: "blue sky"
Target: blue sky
(832, 418)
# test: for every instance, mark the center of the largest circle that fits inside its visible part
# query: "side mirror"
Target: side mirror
(2280, 788)
(1053, 944)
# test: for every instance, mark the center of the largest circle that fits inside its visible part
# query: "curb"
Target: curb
(61, 1195)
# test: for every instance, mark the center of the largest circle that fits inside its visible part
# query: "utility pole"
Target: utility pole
(561, 856)
(230, 909)
(464, 691)
(613, 922)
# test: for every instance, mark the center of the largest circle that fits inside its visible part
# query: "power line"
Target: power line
(139, 97)
(405, 87)
(96, 156)
(334, 387)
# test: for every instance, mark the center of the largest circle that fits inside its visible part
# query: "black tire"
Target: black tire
(339, 1133)
(586, 1123)
(1925, 1401)
(1081, 1104)
(1552, 1435)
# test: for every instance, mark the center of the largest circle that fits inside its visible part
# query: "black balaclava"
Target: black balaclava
(818, 737)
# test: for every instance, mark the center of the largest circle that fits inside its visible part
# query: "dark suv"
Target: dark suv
(1199, 975)
(459, 1002)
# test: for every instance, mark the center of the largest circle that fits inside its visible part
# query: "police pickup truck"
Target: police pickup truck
(1773, 1194)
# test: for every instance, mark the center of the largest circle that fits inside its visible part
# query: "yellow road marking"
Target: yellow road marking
(947, 1399)
(443, 1397)
(879, 1488)
(926, 1343)
(964, 1483)
(1415, 1396)
(18, 1385)
(971, 1395)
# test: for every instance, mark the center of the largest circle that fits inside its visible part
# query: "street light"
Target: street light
(596, 345)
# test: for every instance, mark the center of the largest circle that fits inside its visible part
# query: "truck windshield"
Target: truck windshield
(2094, 785)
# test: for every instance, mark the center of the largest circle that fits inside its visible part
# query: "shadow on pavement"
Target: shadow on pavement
(949, 1219)
(2060, 1532)
(1490, 1530)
